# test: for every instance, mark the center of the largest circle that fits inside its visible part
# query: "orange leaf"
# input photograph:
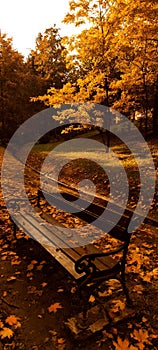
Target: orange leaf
(141, 336)
(61, 341)
(91, 299)
(39, 267)
(119, 305)
(6, 333)
(34, 262)
(44, 284)
(12, 278)
(1, 324)
(12, 320)
(54, 307)
(30, 267)
(121, 344)
(15, 262)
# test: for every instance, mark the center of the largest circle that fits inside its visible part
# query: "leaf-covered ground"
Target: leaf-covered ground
(37, 296)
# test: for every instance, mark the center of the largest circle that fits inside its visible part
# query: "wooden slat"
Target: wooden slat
(101, 263)
(58, 254)
(65, 256)
(77, 252)
(93, 212)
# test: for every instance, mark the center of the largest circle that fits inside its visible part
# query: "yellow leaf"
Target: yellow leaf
(54, 307)
(6, 333)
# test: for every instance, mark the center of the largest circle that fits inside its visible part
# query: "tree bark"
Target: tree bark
(155, 108)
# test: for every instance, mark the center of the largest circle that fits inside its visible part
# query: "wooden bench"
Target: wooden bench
(86, 264)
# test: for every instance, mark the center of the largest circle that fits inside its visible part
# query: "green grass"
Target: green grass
(45, 147)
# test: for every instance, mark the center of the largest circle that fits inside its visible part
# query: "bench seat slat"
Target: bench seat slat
(92, 213)
(77, 252)
(65, 256)
(57, 253)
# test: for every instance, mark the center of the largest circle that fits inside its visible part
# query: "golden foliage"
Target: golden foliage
(6, 333)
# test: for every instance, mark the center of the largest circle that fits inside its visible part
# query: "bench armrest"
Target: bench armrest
(85, 263)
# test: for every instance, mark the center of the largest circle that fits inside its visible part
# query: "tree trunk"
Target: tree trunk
(155, 108)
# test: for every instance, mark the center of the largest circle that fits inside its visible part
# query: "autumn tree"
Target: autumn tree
(136, 42)
(49, 58)
(17, 84)
(119, 48)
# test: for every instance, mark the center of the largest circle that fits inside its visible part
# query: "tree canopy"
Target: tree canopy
(119, 48)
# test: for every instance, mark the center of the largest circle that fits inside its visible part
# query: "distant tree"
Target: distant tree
(17, 84)
(48, 58)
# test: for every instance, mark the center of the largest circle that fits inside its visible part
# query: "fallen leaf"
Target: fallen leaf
(29, 274)
(61, 341)
(39, 267)
(34, 262)
(119, 305)
(6, 333)
(1, 324)
(105, 293)
(60, 290)
(138, 288)
(44, 284)
(30, 267)
(144, 319)
(15, 262)
(54, 307)
(123, 345)
(155, 273)
(12, 278)
(91, 299)
(12, 320)
(142, 337)
(53, 333)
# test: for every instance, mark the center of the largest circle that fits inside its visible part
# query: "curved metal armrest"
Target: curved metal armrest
(85, 263)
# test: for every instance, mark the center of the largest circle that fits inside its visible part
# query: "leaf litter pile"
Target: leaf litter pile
(37, 296)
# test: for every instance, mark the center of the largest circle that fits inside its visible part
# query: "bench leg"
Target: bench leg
(125, 290)
(14, 229)
(38, 199)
